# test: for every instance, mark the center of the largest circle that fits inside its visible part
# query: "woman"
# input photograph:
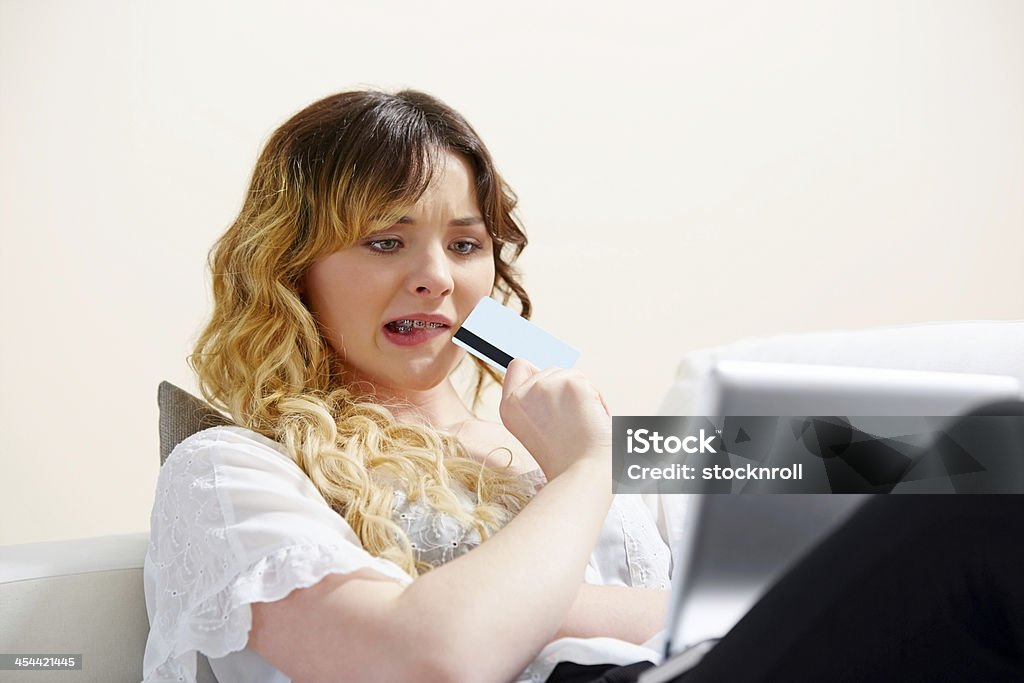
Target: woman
(326, 537)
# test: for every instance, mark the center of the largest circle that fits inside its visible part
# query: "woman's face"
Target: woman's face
(429, 269)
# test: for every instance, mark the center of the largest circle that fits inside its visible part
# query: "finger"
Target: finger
(539, 376)
(603, 403)
(518, 371)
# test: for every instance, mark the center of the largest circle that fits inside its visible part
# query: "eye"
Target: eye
(388, 244)
(465, 248)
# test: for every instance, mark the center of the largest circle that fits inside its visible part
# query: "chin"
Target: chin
(422, 382)
(415, 379)
(425, 374)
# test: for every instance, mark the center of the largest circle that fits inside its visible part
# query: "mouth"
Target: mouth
(416, 328)
(406, 325)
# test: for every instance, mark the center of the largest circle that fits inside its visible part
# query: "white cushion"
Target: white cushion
(994, 347)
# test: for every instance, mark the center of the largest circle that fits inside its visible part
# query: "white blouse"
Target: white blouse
(236, 521)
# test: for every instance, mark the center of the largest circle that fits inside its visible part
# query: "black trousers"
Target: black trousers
(910, 588)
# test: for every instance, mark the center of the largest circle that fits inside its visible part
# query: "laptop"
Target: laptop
(734, 547)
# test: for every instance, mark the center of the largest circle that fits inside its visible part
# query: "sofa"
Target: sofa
(85, 595)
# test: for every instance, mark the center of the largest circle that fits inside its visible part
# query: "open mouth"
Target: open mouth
(407, 326)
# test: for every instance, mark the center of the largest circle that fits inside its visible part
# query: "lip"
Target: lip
(415, 337)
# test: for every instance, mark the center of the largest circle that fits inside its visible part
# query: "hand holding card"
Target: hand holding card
(557, 415)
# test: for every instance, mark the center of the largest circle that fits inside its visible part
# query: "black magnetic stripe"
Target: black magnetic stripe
(489, 350)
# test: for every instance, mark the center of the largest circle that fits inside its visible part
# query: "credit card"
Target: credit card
(496, 334)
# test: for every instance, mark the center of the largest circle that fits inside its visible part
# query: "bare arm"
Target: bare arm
(511, 593)
(485, 615)
(631, 614)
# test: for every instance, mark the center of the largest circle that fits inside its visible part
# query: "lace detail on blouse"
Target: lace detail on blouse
(647, 557)
(437, 537)
(201, 575)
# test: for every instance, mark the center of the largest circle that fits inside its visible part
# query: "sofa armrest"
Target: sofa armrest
(82, 596)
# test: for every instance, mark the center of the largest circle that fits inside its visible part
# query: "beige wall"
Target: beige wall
(688, 176)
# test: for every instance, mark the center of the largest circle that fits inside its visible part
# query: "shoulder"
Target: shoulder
(239, 473)
(226, 449)
(227, 438)
(241, 488)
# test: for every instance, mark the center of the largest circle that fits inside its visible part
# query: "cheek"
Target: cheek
(480, 284)
(337, 301)
(487, 274)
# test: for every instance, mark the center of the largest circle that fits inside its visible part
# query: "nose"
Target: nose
(431, 275)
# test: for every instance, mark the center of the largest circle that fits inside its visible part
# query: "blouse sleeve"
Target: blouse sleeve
(629, 550)
(235, 521)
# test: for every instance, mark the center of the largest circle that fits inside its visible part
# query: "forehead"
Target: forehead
(451, 182)
(449, 196)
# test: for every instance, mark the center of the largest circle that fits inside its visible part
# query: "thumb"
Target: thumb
(518, 371)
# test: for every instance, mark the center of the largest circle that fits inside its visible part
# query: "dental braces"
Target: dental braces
(404, 326)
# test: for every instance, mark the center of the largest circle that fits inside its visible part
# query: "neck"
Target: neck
(439, 407)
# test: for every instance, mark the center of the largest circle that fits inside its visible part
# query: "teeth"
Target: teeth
(404, 326)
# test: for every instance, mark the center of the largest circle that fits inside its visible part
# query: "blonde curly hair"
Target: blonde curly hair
(342, 168)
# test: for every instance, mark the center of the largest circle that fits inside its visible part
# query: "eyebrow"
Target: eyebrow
(455, 222)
